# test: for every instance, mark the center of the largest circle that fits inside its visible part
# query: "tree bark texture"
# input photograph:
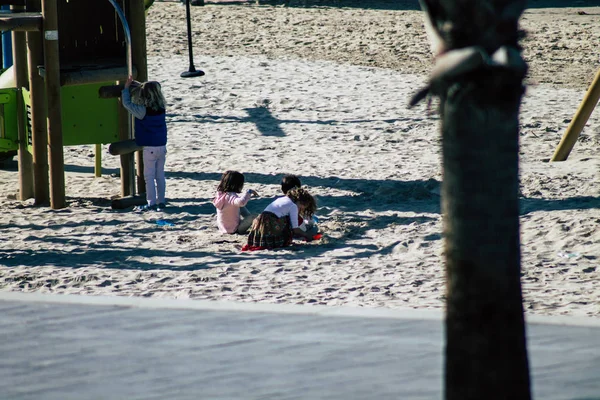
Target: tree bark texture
(478, 79)
(486, 353)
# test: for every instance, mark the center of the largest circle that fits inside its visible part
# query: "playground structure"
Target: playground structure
(63, 87)
(68, 59)
(581, 117)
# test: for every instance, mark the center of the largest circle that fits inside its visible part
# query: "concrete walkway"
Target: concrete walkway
(77, 347)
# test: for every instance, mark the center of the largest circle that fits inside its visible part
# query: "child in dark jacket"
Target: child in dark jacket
(146, 103)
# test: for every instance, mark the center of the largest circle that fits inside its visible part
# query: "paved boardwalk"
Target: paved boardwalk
(75, 347)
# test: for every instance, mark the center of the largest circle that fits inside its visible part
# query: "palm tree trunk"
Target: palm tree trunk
(480, 96)
(486, 355)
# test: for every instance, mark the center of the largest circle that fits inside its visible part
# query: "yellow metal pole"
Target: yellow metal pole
(98, 164)
(579, 120)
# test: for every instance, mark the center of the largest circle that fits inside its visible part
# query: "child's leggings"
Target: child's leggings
(154, 173)
(246, 219)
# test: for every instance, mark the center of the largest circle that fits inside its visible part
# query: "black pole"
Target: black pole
(192, 72)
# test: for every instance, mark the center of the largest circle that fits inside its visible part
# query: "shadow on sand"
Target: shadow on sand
(389, 4)
(387, 197)
(370, 4)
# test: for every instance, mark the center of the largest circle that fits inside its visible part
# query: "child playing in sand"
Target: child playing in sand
(146, 103)
(289, 182)
(292, 181)
(232, 214)
(278, 223)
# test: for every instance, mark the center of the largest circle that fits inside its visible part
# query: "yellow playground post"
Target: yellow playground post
(579, 120)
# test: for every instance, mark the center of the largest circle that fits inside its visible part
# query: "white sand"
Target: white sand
(344, 128)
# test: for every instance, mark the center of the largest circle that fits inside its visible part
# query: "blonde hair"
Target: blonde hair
(148, 94)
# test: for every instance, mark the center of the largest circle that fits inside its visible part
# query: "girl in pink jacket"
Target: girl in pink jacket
(232, 214)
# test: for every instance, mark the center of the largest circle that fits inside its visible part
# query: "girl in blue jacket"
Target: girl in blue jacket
(146, 103)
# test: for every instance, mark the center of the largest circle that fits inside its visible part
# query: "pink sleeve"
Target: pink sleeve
(240, 201)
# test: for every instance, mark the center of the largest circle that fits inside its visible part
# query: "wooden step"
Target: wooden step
(20, 21)
(81, 76)
(12, 3)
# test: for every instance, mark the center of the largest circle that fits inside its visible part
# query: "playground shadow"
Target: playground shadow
(562, 3)
(375, 194)
(264, 120)
(370, 4)
(81, 169)
(406, 5)
(10, 164)
(529, 205)
(373, 205)
(267, 124)
(113, 256)
(104, 257)
(84, 252)
(387, 194)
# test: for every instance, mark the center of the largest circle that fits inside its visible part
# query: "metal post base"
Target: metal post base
(192, 73)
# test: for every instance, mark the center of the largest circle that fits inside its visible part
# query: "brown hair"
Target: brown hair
(307, 205)
(289, 182)
(231, 181)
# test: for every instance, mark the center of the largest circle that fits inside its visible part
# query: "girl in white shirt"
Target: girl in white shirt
(278, 223)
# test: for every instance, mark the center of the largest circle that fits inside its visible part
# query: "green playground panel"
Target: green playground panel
(86, 118)
(9, 134)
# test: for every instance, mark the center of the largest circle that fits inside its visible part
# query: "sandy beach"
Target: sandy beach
(320, 92)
